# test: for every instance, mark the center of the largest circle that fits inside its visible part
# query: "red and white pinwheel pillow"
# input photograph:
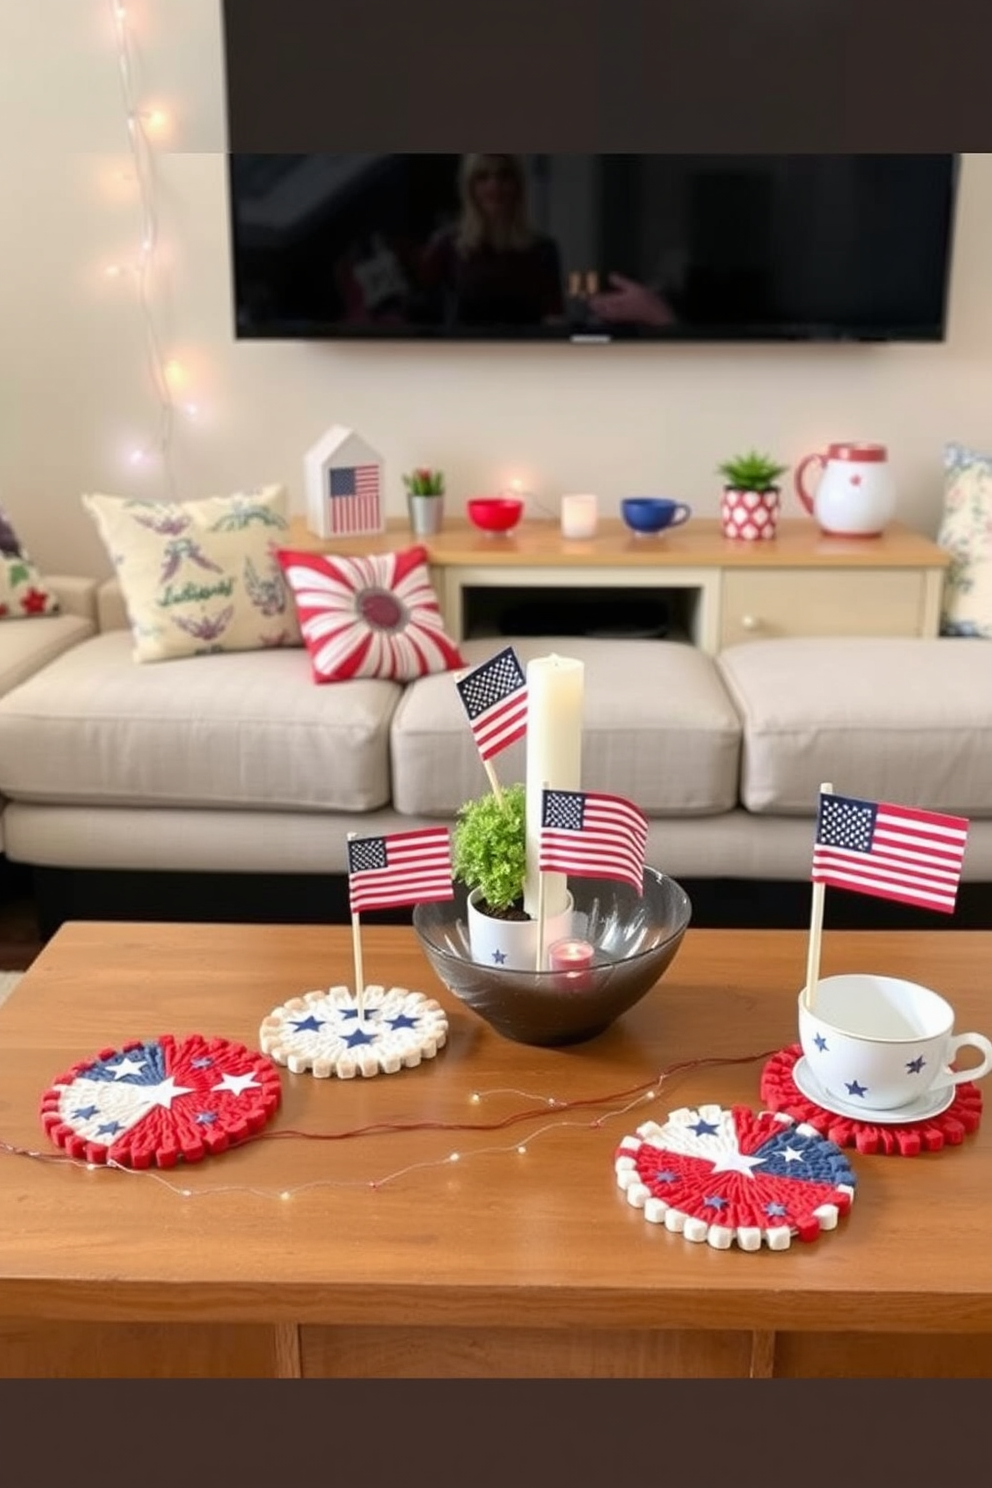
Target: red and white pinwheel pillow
(375, 616)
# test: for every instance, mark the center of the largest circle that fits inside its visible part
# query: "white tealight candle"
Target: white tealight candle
(579, 516)
(554, 760)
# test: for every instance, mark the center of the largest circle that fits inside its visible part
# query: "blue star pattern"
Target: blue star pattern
(330, 1033)
(820, 1042)
(853, 1088)
(735, 1176)
(915, 1066)
(499, 957)
(311, 1024)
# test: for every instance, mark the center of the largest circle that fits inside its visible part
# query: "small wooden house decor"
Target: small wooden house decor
(343, 479)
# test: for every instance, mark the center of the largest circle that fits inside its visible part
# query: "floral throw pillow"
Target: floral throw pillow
(23, 591)
(200, 576)
(966, 533)
(369, 617)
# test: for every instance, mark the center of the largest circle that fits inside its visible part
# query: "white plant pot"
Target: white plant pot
(512, 944)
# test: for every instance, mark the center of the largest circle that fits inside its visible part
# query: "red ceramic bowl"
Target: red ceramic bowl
(494, 513)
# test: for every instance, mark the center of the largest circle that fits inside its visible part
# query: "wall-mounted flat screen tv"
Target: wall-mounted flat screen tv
(591, 248)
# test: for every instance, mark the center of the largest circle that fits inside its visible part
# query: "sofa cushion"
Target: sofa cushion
(28, 645)
(232, 730)
(659, 730)
(966, 532)
(200, 576)
(23, 592)
(888, 718)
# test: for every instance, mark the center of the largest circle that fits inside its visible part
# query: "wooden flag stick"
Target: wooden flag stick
(356, 949)
(539, 962)
(816, 924)
(493, 781)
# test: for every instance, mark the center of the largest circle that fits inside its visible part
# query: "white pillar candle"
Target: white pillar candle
(579, 516)
(554, 759)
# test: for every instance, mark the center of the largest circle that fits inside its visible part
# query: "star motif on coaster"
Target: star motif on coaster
(308, 1025)
(737, 1162)
(792, 1155)
(236, 1084)
(704, 1128)
(401, 1021)
(359, 1037)
(166, 1091)
(127, 1066)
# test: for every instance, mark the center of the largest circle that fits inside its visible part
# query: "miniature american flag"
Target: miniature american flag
(592, 836)
(353, 499)
(494, 696)
(891, 852)
(403, 868)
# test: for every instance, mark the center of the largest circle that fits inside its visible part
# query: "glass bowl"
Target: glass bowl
(636, 939)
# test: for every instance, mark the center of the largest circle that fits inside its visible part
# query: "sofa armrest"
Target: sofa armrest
(111, 611)
(76, 595)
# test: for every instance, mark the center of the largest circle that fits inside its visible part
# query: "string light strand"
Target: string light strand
(630, 1098)
(142, 157)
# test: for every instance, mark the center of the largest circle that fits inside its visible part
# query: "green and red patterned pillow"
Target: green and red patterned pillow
(375, 616)
(23, 592)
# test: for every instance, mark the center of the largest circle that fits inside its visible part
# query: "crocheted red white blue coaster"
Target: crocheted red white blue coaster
(894, 1139)
(722, 1176)
(327, 1034)
(156, 1102)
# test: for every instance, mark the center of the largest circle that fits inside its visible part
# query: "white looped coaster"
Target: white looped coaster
(322, 1032)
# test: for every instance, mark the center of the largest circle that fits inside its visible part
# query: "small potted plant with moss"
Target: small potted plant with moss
(749, 505)
(489, 856)
(425, 500)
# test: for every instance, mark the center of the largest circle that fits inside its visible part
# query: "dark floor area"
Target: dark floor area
(33, 903)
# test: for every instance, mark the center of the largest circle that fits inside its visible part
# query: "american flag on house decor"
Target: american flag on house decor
(353, 499)
(494, 696)
(403, 868)
(592, 836)
(891, 852)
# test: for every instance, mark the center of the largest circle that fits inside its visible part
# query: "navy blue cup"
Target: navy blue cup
(653, 513)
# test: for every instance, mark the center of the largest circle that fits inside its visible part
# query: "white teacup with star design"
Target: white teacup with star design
(881, 1043)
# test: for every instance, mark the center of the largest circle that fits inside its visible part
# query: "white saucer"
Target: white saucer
(923, 1109)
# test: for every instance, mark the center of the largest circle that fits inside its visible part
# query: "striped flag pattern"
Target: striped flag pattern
(592, 835)
(494, 696)
(890, 852)
(353, 499)
(403, 868)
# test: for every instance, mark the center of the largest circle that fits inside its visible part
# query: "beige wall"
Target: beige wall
(74, 394)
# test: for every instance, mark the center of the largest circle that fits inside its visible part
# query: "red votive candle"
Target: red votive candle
(570, 955)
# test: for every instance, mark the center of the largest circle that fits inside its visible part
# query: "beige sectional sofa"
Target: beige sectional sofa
(239, 763)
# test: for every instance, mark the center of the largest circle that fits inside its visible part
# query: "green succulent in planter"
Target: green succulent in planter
(752, 472)
(489, 851)
(425, 482)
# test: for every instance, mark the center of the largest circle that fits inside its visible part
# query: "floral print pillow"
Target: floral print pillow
(200, 576)
(23, 592)
(966, 533)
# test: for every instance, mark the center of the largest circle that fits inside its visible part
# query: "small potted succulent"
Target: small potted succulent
(489, 856)
(749, 505)
(425, 500)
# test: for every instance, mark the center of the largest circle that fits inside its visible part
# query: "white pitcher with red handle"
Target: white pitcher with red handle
(855, 494)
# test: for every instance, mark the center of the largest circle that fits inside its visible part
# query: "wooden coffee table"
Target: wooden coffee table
(499, 1263)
